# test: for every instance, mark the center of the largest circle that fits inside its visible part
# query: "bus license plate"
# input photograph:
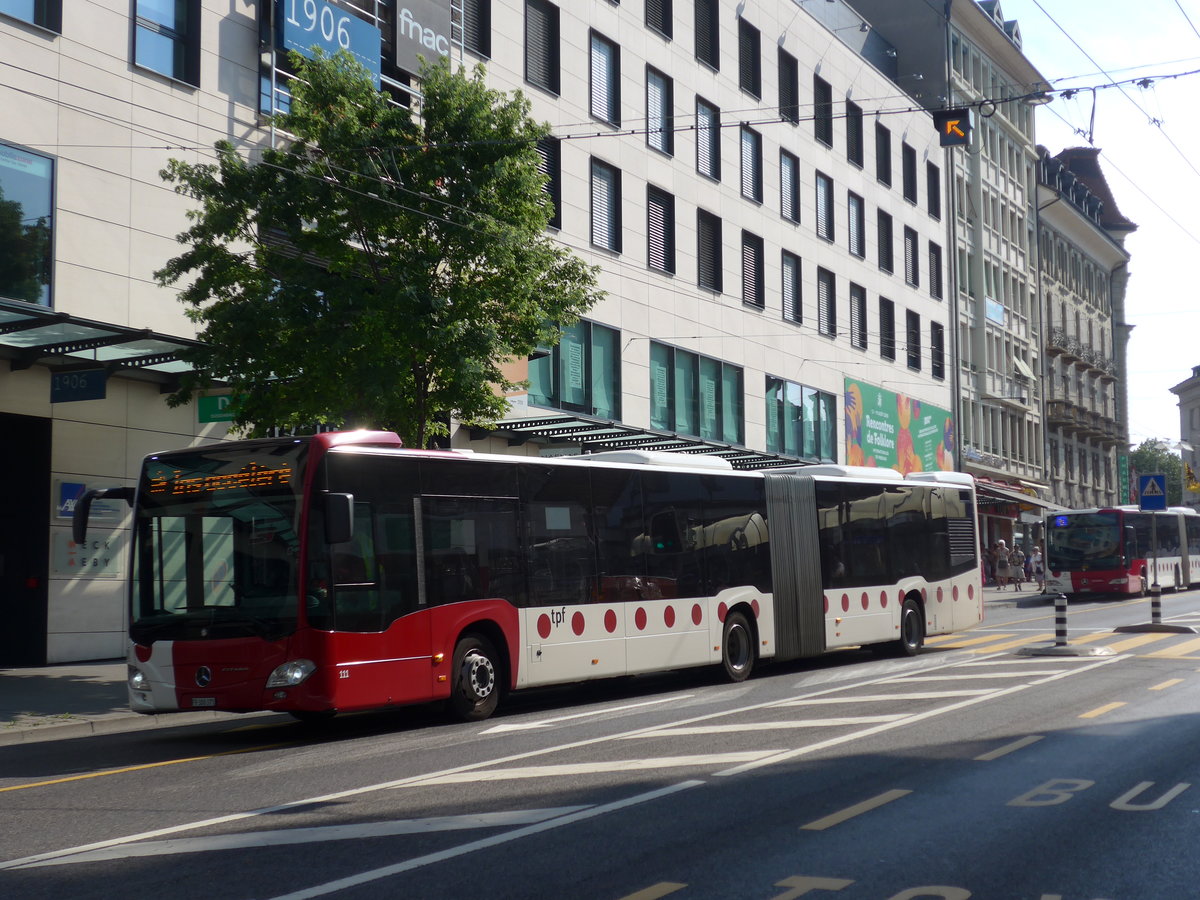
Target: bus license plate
(203, 701)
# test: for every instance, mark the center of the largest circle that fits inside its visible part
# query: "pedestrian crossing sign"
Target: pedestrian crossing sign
(1152, 492)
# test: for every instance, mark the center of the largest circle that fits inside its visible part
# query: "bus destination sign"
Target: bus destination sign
(178, 483)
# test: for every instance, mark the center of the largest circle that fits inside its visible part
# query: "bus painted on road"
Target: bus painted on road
(1110, 550)
(341, 571)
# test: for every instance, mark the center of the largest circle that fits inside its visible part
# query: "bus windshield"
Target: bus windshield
(1084, 539)
(216, 544)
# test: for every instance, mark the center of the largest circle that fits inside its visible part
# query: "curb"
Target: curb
(120, 724)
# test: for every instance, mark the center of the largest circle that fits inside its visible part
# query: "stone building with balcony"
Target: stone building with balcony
(1083, 273)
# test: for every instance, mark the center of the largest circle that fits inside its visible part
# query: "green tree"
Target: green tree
(379, 269)
(1152, 457)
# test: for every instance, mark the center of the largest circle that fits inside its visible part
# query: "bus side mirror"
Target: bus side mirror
(83, 508)
(339, 518)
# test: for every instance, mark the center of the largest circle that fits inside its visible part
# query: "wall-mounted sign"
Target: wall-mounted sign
(68, 387)
(214, 408)
(67, 494)
(304, 24)
(422, 29)
(102, 556)
(896, 431)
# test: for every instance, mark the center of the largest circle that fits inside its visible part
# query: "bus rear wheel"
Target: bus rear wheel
(912, 629)
(737, 647)
(475, 690)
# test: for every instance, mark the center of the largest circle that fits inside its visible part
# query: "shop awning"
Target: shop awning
(1006, 495)
(34, 335)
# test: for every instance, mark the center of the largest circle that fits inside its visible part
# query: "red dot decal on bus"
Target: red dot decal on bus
(577, 623)
(610, 621)
(544, 626)
(924, 595)
(639, 618)
(940, 598)
(845, 603)
(900, 598)
(755, 607)
(669, 616)
(970, 592)
(826, 604)
(866, 601)
(954, 592)
(883, 599)
(722, 609)
(697, 614)
(143, 652)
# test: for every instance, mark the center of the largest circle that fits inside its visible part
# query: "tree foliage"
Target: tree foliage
(1152, 457)
(378, 269)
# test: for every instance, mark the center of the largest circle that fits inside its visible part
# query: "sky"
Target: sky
(1149, 137)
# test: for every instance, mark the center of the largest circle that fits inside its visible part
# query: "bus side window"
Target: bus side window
(356, 577)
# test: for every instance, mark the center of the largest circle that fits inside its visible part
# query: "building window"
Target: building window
(749, 59)
(858, 316)
(789, 186)
(800, 421)
(822, 111)
(606, 206)
(660, 230)
(913, 338)
(541, 45)
(937, 350)
(753, 292)
(752, 174)
(789, 87)
(660, 115)
(856, 215)
(166, 39)
(887, 329)
(43, 13)
(550, 166)
(854, 134)
(933, 190)
(912, 272)
(658, 17)
(708, 139)
(824, 187)
(883, 228)
(935, 270)
(883, 155)
(826, 303)
(477, 27)
(697, 395)
(708, 41)
(908, 172)
(604, 78)
(792, 311)
(26, 225)
(580, 373)
(708, 251)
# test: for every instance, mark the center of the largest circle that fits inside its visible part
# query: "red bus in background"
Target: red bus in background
(341, 572)
(1110, 551)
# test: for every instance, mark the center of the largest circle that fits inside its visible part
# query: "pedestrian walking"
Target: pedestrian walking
(1001, 551)
(1037, 563)
(1016, 568)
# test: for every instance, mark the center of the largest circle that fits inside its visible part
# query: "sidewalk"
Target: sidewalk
(1028, 595)
(76, 700)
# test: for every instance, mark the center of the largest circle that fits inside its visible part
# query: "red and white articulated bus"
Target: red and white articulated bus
(342, 572)
(1110, 550)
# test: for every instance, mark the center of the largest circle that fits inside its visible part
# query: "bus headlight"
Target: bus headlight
(291, 673)
(137, 679)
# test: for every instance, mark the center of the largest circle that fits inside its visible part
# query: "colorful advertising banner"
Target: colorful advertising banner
(896, 431)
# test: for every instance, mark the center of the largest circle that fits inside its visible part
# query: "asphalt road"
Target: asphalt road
(970, 771)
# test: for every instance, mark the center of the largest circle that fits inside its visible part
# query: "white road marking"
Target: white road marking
(877, 698)
(568, 770)
(289, 836)
(765, 726)
(454, 852)
(904, 679)
(546, 723)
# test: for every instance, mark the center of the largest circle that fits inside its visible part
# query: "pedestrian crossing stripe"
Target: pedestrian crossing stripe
(1181, 646)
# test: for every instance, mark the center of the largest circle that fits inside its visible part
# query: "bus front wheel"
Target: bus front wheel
(737, 647)
(912, 629)
(476, 686)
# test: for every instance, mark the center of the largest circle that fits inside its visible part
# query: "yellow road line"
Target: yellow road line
(655, 891)
(1139, 640)
(1008, 748)
(1177, 650)
(1171, 682)
(1090, 638)
(1009, 645)
(973, 641)
(127, 769)
(856, 810)
(1101, 710)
